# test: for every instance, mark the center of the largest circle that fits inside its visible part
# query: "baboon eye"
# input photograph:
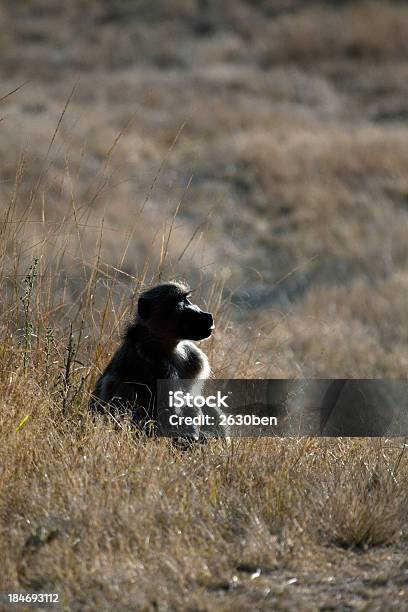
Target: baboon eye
(182, 300)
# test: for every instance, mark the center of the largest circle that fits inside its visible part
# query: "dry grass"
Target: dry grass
(258, 149)
(108, 520)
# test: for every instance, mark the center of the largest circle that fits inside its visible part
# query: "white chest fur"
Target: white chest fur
(192, 360)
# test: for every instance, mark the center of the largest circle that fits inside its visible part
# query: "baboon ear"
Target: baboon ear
(143, 308)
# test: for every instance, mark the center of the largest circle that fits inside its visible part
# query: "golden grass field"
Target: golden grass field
(258, 150)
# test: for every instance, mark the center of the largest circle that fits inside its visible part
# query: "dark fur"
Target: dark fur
(157, 345)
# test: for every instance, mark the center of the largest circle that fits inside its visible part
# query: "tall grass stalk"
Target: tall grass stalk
(26, 298)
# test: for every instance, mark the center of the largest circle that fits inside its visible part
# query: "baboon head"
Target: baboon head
(169, 314)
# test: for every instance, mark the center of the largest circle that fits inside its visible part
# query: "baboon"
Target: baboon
(156, 345)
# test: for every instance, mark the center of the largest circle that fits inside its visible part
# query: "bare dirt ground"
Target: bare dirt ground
(260, 150)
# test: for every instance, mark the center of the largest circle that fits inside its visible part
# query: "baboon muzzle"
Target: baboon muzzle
(209, 321)
(199, 325)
